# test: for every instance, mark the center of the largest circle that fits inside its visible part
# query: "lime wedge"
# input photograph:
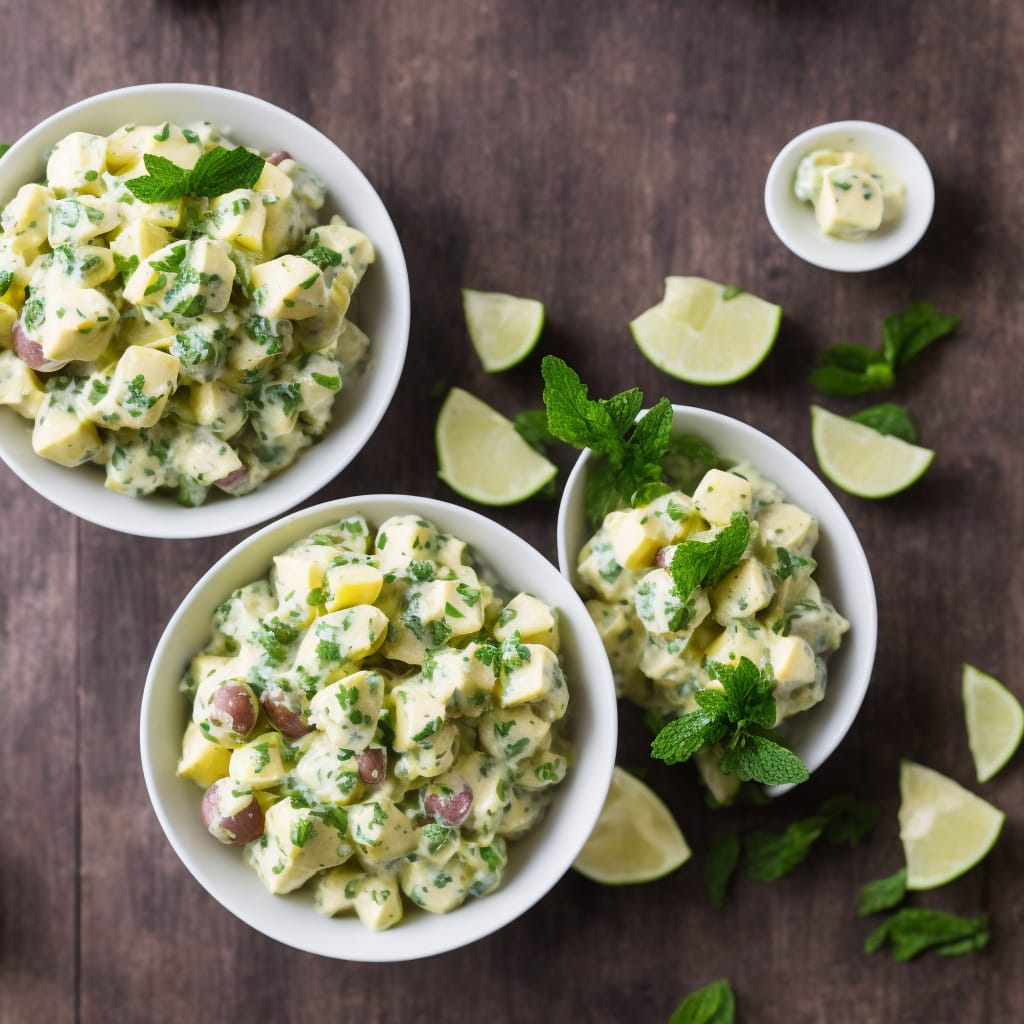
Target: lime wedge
(706, 333)
(482, 457)
(944, 828)
(995, 721)
(636, 839)
(503, 328)
(862, 461)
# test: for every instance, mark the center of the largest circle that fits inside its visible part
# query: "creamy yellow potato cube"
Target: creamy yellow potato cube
(417, 715)
(335, 891)
(744, 591)
(347, 710)
(142, 382)
(79, 266)
(792, 660)
(81, 219)
(330, 774)
(598, 569)
(352, 584)
(491, 783)
(429, 760)
(277, 188)
(535, 621)
(720, 495)
(381, 830)
(19, 386)
(258, 763)
(403, 539)
(623, 636)
(78, 324)
(139, 239)
(635, 535)
(850, 202)
(786, 526)
(239, 217)
(127, 146)
(340, 637)
(512, 733)
(739, 640)
(26, 219)
(663, 611)
(215, 405)
(290, 288)
(446, 601)
(354, 248)
(202, 761)
(16, 276)
(724, 788)
(378, 900)
(460, 681)
(296, 843)
(670, 661)
(77, 163)
(538, 678)
(61, 436)
(302, 569)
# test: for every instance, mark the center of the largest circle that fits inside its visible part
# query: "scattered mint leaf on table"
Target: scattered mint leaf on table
(856, 369)
(722, 860)
(4, 146)
(912, 930)
(532, 427)
(712, 1004)
(888, 418)
(882, 894)
(216, 172)
(630, 450)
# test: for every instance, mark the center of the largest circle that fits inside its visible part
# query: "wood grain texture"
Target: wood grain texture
(576, 153)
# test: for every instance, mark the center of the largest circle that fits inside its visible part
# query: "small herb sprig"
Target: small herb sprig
(216, 172)
(714, 1003)
(727, 716)
(913, 930)
(630, 450)
(849, 369)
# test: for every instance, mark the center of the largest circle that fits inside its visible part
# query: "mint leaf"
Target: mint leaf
(767, 856)
(906, 335)
(4, 146)
(322, 256)
(913, 930)
(720, 866)
(882, 894)
(849, 820)
(623, 408)
(687, 461)
(747, 690)
(575, 418)
(833, 380)
(698, 563)
(680, 739)
(166, 181)
(6, 280)
(759, 759)
(888, 418)
(712, 1004)
(223, 170)
(647, 443)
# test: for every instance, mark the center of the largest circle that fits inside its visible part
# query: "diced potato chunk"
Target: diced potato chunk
(80, 219)
(202, 761)
(239, 217)
(417, 715)
(258, 763)
(538, 678)
(348, 709)
(378, 900)
(142, 382)
(536, 622)
(290, 288)
(26, 219)
(352, 584)
(60, 436)
(745, 591)
(720, 495)
(76, 163)
(19, 386)
(381, 830)
(78, 324)
(850, 202)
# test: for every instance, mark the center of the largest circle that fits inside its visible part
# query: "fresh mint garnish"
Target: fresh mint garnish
(712, 1004)
(703, 563)
(882, 894)
(913, 930)
(217, 172)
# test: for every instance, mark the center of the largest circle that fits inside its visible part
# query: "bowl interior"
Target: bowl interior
(535, 863)
(843, 571)
(793, 221)
(382, 310)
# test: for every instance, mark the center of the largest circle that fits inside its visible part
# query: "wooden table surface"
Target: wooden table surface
(577, 153)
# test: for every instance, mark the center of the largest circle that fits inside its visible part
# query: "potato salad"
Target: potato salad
(767, 606)
(374, 720)
(191, 342)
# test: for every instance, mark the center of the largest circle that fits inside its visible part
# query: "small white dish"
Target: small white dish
(793, 221)
(843, 572)
(536, 862)
(382, 310)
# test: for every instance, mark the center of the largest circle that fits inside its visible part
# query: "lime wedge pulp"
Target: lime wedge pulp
(503, 328)
(945, 829)
(636, 839)
(707, 333)
(482, 457)
(995, 721)
(862, 461)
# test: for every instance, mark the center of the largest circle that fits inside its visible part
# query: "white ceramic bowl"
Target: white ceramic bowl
(536, 862)
(381, 308)
(793, 221)
(843, 572)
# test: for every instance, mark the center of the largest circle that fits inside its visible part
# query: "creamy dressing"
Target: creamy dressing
(409, 720)
(196, 342)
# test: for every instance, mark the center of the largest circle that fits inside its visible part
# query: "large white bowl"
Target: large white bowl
(536, 862)
(381, 308)
(843, 572)
(793, 221)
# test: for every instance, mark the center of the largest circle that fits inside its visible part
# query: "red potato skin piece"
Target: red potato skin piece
(662, 558)
(279, 157)
(31, 352)
(373, 765)
(449, 810)
(287, 722)
(233, 482)
(237, 830)
(236, 702)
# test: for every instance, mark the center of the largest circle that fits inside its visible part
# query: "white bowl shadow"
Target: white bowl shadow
(382, 302)
(536, 862)
(793, 221)
(843, 572)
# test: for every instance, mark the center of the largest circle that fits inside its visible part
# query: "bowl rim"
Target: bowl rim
(862, 640)
(87, 498)
(797, 229)
(560, 834)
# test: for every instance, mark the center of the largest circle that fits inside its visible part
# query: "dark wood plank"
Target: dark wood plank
(577, 153)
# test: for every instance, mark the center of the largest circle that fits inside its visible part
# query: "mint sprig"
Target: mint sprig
(728, 716)
(914, 930)
(630, 450)
(857, 369)
(712, 1004)
(698, 563)
(882, 894)
(216, 172)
